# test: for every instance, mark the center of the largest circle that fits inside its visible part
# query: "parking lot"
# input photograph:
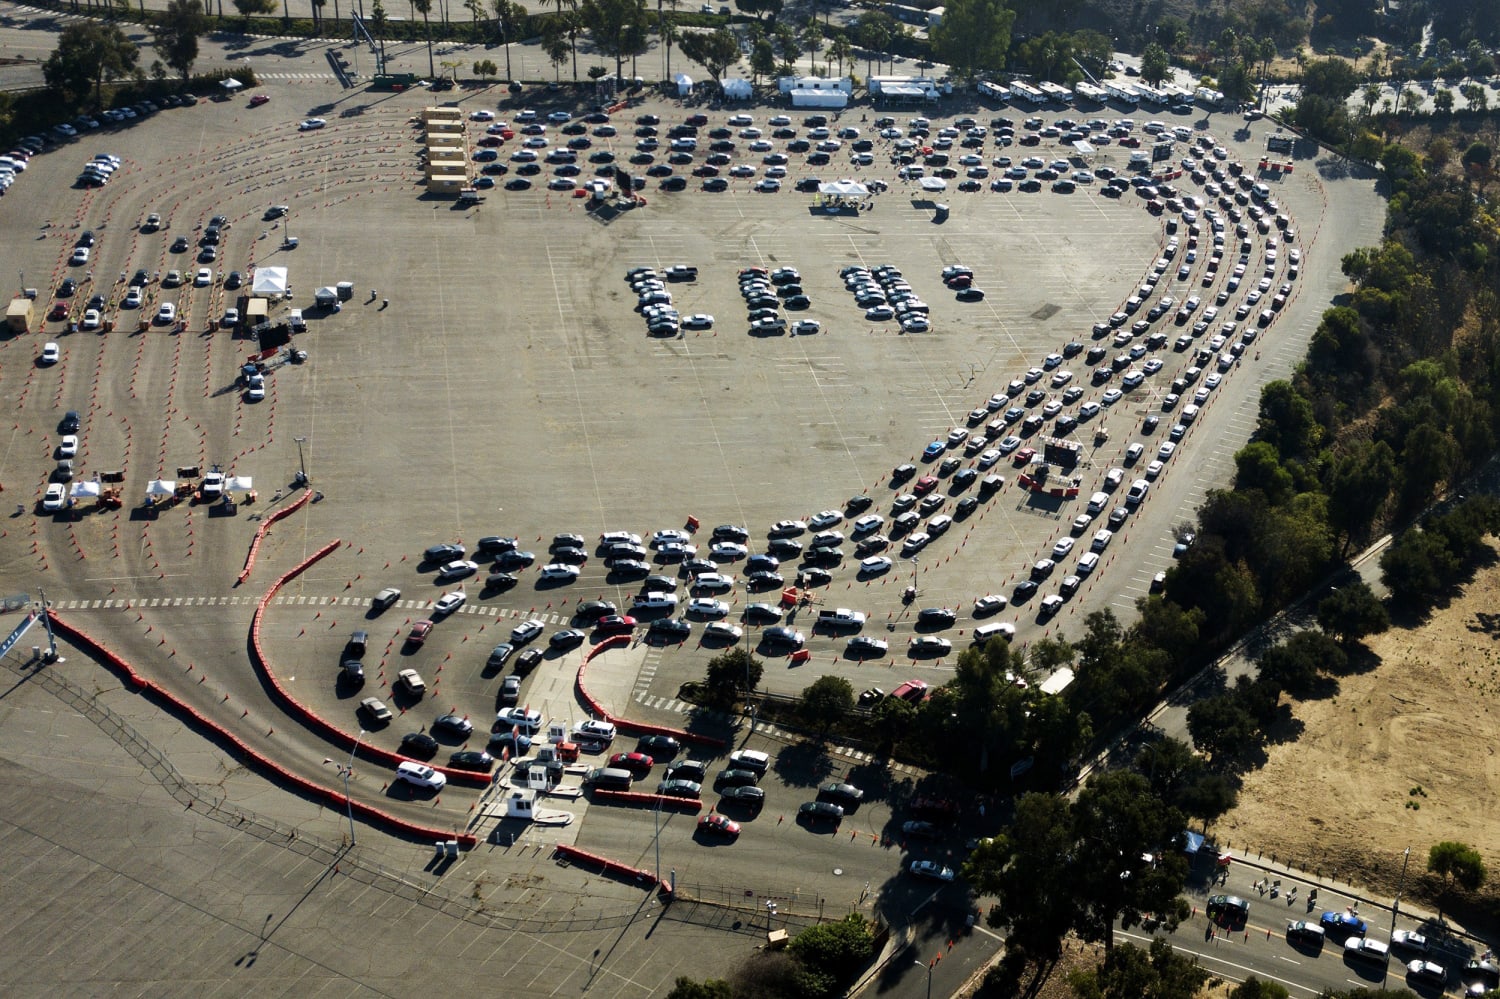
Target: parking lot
(490, 376)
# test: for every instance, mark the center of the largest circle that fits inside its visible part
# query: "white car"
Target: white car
(481, 115)
(931, 869)
(806, 327)
(91, 320)
(230, 319)
(728, 550)
(203, 278)
(69, 447)
(55, 497)
(698, 321)
(80, 256)
(1061, 549)
(707, 607)
(449, 602)
(311, 124)
(825, 520)
(670, 536)
(458, 569)
(1101, 540)
(420, 775)
(167, 313)
(132, 298)
(560, 571)
(51, 353)
(875, 565)
(768, 185)
(868, 522)
(988, 604)
(989, 457)
(711, 582)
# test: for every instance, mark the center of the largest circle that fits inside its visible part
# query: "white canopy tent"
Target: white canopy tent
(684, 84)
(269, 281)
(89, 490)
(737, 89)
(231, 84)
(933, 184)
(843, 189)
(238, 484)
(161, 487)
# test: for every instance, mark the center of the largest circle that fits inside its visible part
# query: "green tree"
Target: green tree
(1294, 665)
(834, 952)
(1442, 101)
(875, 30)
(732, 674)
(176, 32)
(486, 69)
(715, 51)
(1156, 66)
(1370, 96)
(765, 10)
(1116, 823)
(762, 58)
(1254, 988)
(87, 54)
(1334, 79)
(973, 37)
(510, 18)
(893, 718)
(555, 44)
(841, 50)
(812, 37)
(1351, 612)
(1287, 421)
(1258, 466)
(614, 26)
(710, 988)
(1358, 488)
(1456, 863)
(250, 8)
(1160, 973)
(1035, 893)
(826, 700)
(1222, 727)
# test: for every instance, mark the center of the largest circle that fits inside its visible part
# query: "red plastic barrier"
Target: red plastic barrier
(625, 724)
(647, 798)
(328, 795)
(315, 721)
(612, 866)
(265, 525)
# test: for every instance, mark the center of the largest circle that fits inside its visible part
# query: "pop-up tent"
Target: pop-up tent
(843, 189)
(737, 89)
(684, 84)
(231, 84)
(161, 487)
(238, 484)
(85, 490)
(933, 184)
(269, 281)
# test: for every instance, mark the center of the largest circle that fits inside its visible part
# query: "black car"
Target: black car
(352, 673)
(797, 302)
(747, 795)
(355, 647)
(784, 547)
(694, 770)
(944, 616)
(674, 184)
(965, 507)
(962, 479)
(670, 627)
(453, 723)
(472, 759)
(730, 532)
(443, 553)
(570, 556)
(763, 580)
(419, 744)
(660, 747)
(70, 422)
(716, 184)
(514, 560)
(846, 794)
(567, 638)
(813, 812)
(67, 288)
(1024, 590)
(527, 661)
(589, 611)
(736, 778)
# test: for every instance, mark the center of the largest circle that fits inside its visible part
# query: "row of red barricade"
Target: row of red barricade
(625, 724)
(248, 754)
(265, 525)
(609, 866)
(311, 719)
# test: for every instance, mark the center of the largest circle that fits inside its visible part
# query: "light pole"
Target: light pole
(301, 459)
(346, 772)
(928, 966)
(1396, 905)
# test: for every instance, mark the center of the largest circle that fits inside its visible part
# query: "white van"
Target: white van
(1087, 563)
(1000, 629)
(594, 729)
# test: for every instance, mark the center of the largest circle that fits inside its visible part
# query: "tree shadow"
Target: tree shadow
(803, 764)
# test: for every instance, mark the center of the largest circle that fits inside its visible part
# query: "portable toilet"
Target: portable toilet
(345, 290)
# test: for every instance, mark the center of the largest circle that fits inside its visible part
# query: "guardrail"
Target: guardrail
(693, 805)
(265, 525)
(247, 753)
(609, 866)
(626, 725)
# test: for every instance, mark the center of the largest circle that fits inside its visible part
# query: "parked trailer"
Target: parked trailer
(994, 91)
(1152, 96)
(1209, 98)
(1055, 92)
(1125, 93)
(1027, 93)
(1088, 92)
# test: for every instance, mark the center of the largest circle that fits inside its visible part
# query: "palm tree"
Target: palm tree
(668, 32)
(840, 49)
(509, 17)
(425, 6)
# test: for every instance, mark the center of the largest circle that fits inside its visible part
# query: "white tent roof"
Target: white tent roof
(269, 281)
(844, 188)
(85, 489)
(904, 90)
(737, 89)
(238, 484)
(1084, 148)
(161, 487)
(933, 184)
(231, 84)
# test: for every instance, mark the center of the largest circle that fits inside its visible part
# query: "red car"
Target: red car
(616, 622)
(259, 99)
(419, 632)
(1130, 141)
(491, 140)
(59, 311)
(637, 763)
(1024, 456)
(719, 825)
(925, 485)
